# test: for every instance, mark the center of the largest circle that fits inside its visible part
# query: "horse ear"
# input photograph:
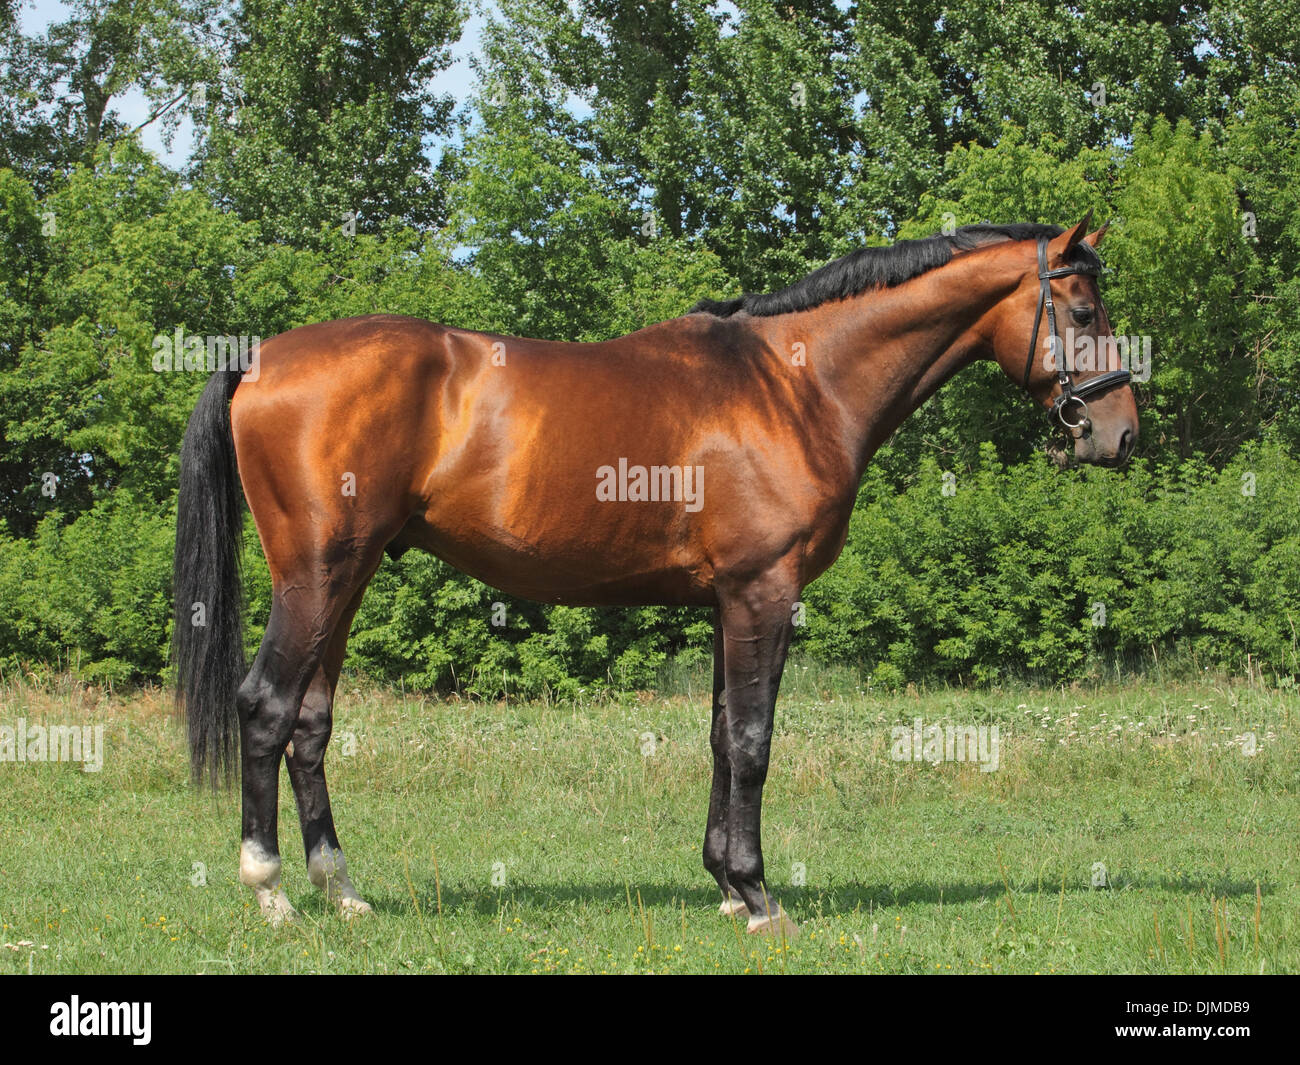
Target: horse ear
(1062, 244)
(1095, 238)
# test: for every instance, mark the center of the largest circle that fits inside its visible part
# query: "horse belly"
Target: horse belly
(564, 567)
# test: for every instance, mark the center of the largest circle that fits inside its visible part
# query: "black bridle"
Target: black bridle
(1070, 392)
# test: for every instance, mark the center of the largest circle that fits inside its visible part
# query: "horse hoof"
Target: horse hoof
(732, 906)
(352, 908)
(777, 923)
(276, 908)
(328, 870)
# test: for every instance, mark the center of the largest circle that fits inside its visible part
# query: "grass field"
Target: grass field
(542, 837)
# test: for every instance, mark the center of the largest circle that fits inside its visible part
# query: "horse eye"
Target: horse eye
(1082, 315)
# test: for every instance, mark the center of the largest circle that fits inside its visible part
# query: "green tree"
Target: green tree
(1262, 149)
(1185, 274)
(559, 253)
(131, 255)
(60, 87)
(323, 112)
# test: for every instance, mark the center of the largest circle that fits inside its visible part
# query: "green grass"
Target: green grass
(910, 868)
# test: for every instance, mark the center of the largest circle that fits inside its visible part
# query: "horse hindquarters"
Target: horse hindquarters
(325, 507)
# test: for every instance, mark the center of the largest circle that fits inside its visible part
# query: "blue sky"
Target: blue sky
(35, 15)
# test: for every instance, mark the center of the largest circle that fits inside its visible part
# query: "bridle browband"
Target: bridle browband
(1070, 392)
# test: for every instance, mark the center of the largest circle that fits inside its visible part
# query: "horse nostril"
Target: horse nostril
(1125, 444)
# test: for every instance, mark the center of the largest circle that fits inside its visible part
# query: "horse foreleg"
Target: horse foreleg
(715, 833)
(756, 623)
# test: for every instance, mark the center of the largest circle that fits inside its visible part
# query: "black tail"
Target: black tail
(208, 626)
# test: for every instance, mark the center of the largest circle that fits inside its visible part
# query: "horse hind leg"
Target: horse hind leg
(267, 703)
(305, 757)
(305, 613)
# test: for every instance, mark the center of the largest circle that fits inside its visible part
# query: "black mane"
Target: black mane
(882, 268)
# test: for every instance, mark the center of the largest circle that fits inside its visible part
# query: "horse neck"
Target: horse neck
(881, 354)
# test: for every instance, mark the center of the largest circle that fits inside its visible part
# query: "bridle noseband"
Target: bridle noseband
(1070, 392)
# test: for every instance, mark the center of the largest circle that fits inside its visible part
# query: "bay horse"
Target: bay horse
(575, 473)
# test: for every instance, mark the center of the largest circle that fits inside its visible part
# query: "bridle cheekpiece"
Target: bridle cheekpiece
(1071, 394)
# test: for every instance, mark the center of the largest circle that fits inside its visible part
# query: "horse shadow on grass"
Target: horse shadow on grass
(802, 902)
